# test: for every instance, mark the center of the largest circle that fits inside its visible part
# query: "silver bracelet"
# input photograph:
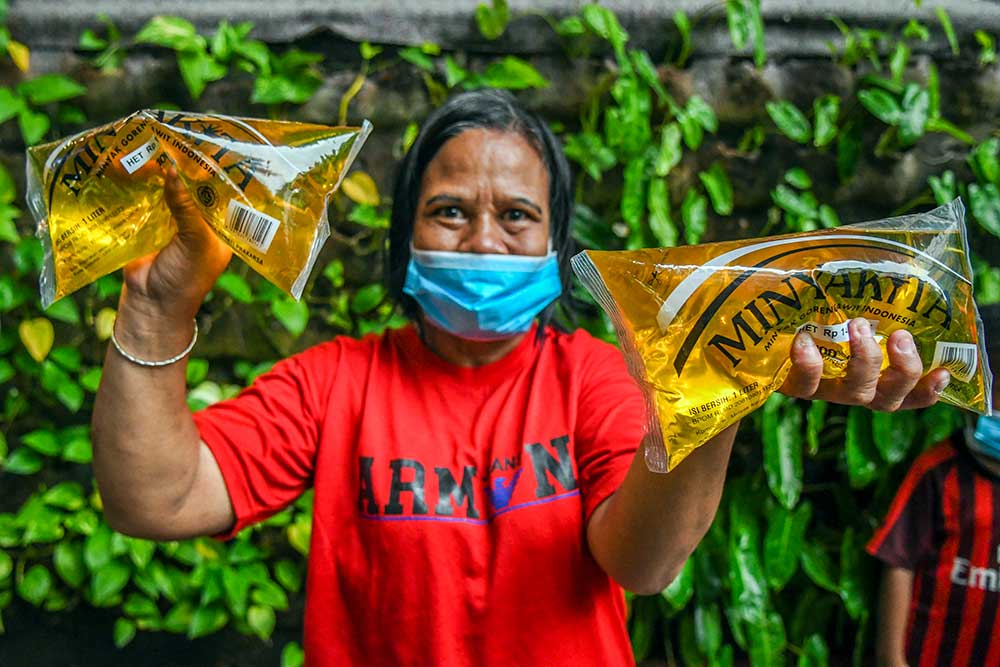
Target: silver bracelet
(165, 362)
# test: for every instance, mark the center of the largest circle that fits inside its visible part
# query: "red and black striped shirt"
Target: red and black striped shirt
(944, 526)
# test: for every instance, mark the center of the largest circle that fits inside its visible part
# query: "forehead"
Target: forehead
(481, 158)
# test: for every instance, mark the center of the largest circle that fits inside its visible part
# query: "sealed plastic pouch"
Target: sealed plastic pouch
(707, 329)
(262, 185)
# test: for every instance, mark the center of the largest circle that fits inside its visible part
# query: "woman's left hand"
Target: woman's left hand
(901, 386)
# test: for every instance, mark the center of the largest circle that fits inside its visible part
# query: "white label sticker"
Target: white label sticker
(834, 333)
(961, 359)
(251, 225)
(140, 156)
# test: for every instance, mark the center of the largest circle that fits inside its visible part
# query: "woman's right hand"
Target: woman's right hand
(173, 282)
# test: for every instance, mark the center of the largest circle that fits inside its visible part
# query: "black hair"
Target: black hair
(481, 109)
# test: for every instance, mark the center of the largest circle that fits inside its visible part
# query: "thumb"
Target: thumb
(191, 225)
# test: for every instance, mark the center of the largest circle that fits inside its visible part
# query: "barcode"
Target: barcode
(251, 225)
(961, 359)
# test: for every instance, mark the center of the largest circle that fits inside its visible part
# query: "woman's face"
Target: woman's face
(486, 191)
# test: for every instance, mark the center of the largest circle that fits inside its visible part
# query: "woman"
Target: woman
(478, 496)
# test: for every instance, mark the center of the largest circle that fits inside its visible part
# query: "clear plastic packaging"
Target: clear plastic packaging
(707, 329)
(262, 185)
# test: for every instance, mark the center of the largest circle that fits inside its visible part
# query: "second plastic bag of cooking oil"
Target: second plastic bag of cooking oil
(261, 184)
(707, 329)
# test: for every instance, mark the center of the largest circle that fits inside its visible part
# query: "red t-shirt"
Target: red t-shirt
(944, 526)
(450, 509)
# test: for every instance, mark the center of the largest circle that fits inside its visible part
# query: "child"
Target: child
(940, 600)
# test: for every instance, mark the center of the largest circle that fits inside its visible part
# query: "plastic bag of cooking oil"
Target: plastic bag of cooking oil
(707, 330)
(261, 184)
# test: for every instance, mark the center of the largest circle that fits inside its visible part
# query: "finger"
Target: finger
(928, 390)
(902, 375)
(860, 380)
(807, 368)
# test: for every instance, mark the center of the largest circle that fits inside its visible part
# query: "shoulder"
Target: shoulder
(938, 458)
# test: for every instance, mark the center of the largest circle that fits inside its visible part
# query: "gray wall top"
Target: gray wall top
(794, 27)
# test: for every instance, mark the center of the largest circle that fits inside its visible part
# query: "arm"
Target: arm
(156, 478)
(643, 533)
(893, 611)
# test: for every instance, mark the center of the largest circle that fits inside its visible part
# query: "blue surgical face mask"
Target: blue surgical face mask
(482, 296)
(986, 438)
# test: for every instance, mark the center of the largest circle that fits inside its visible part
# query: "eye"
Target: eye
(448, 212)
(517, 215)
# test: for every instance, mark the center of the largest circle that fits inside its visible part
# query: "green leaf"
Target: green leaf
(68, 561)
(720, 191)
(369, 51)
(949, 30)
(236, 586)
(803, 205)
(987, 48)
(269, 593)
(819, 567)
(35, 585)
(454, 73)
(513, 73)
(288, 575)
(660, 221)
(852, 587)
(50, 88)
(198, 69)
(943, 187)
(694, 213)
(33, 124)
(826, 110)
(633, 203)
(589, 151)
(898, 61)
(683, 24)
(292, 655)
(643, 623)
(97, 548)
(766, 639)
(815, 418)
(172, 32)
(108, 582)
(261, 621)
(786, 531)
(415, 56)
(861, 454)
(207, 620)
(23, 461)
(701, 112)
(669, 155)
(790, 121)
(293, 315)
(894, 433)
(782, 434)
(67, 357)
(746, 572)
(680, 590)
(140, 552)
(708, 628)
(605, 25)
(124, 632)
(10, 104)
(492, 20)
(89, 41)
(814, 653)
(984, 201)
(6, 567)
(881, 104)
(798, 178)
(78, 450)
(235, 286)
(984, 161)
(42, 441)
(366, 298)
(915, 114)
(65, 495)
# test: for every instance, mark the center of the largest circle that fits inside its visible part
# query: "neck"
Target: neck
(469, 353)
